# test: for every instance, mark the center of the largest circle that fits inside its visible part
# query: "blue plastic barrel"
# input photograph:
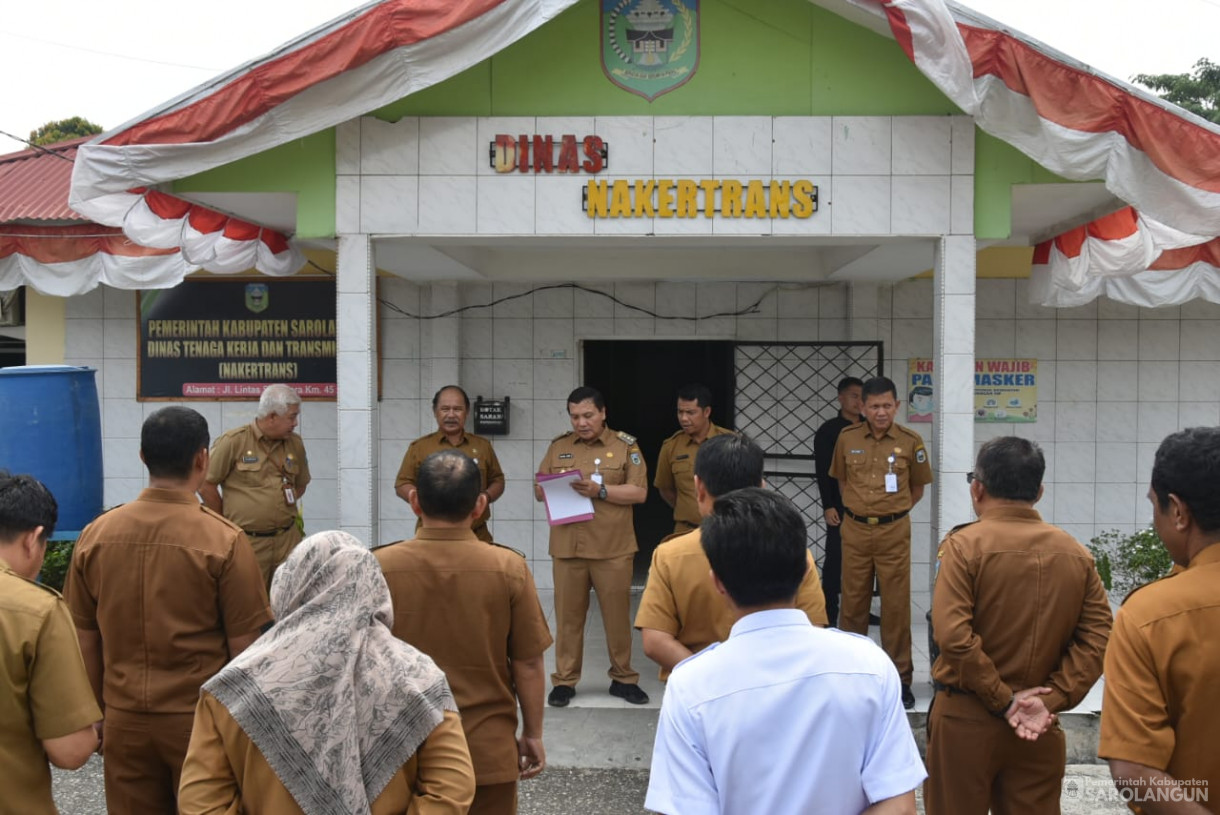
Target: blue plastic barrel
(51, 428)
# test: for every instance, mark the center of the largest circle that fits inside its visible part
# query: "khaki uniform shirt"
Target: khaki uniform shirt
(224, 767)
(44, 691)
(611, 532)
(472, 608)
(1160, 707)
(476, 447)
(680, 599)
(1018, 604)
(166, 582)
(676, 471)
(252, 471)
(861, 462)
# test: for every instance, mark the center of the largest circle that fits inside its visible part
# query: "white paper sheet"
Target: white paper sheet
(564, 505)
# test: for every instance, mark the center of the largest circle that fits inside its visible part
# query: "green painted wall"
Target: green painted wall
(305, 166)
(758, 57)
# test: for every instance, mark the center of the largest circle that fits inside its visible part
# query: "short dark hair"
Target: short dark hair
(850, 382)
(448, 485)
(25, 504)
(170, 439)
(436, 397)
(584, 393)
(694, 392)
(879, 385)
(1187, 465)
(729, 462)
(755, 542)
(1011, 468)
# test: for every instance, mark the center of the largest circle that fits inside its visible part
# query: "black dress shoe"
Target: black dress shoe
(908, 697)
(561, 695)
(630, 693)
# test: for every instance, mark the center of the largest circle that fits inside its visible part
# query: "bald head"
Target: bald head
(447, 486)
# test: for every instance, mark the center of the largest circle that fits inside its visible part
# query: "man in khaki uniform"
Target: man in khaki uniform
(681, 612)
(1159, 717)
(882, 468)
(262, 471)
(163, 592)
(47, 709)
(1021, 619)
(597, 553)
(451, 405)
(676, 461)
(474, 609)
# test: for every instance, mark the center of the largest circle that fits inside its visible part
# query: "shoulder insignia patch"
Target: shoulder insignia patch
(921, 455)
(626, 438)
(635, 458)
(509, 548)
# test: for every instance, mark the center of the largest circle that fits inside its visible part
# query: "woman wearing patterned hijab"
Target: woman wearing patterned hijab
(328, 712)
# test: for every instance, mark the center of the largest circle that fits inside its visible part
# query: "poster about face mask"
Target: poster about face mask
(1005, 390)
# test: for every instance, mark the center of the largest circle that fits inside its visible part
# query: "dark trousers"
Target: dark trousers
(832, 572)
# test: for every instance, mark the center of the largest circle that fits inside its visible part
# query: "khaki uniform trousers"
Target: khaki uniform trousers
(976, 762)
(143, 760)
(611, 579)
(884, 551)
(494, 799)
(271, 552)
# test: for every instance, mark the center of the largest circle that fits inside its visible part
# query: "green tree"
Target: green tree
(1197, 91)
(64, 129)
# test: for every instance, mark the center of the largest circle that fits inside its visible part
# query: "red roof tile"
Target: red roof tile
(34, 183)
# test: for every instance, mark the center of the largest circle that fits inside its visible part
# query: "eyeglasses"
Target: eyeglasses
(970, 477)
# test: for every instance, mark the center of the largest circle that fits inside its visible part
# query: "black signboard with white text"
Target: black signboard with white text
(229, 338)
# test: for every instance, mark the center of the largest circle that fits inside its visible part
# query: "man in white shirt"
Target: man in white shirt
(783, 717)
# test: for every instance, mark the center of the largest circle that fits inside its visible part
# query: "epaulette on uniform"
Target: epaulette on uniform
(562, 435)
(509, 548)
(626, 438)
(48, 589)
(209, 511)
(962, 526)
(1133, 592)
(676, 435)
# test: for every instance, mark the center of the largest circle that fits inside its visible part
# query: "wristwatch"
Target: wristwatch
(602, 492)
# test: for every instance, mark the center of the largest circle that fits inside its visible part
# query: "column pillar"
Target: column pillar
(356, 289)
(953, 358)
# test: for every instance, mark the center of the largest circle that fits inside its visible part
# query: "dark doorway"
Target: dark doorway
(640, 380)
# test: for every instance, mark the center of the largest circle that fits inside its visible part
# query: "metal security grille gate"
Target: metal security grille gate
(784, 392)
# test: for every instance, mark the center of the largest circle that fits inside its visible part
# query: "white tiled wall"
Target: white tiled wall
(876, 175)
(1114, 380)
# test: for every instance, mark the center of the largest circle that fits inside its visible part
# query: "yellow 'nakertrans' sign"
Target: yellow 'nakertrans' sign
(687, 198)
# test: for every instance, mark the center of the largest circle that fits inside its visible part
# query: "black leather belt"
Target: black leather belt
(270, 534)
(876, 520)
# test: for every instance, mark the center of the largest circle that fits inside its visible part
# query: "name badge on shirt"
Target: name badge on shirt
(290, 496)
(891, 482)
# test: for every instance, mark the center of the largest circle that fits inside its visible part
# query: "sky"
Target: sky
(111, 62)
